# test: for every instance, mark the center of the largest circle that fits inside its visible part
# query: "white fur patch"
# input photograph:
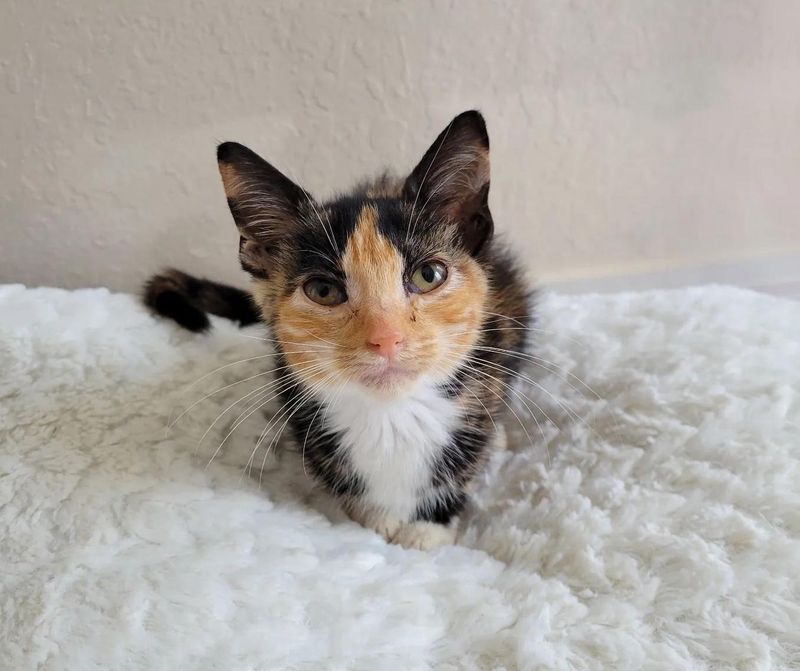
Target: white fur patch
(392, 444)
(423, 536)
(380, 522)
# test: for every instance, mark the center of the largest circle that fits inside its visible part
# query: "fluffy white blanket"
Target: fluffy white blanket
(654, 525)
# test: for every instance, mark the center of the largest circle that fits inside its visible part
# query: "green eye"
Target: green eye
(428, 276)
(324, 292)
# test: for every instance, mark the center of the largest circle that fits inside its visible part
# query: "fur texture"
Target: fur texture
(189, 300)
(661, 532)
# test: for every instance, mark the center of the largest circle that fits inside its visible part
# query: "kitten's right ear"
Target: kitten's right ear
(265, 204)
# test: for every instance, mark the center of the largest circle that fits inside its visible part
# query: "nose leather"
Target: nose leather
(384, 340)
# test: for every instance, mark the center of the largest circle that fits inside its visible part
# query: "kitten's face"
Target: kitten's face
(368, 307)
(384, 292)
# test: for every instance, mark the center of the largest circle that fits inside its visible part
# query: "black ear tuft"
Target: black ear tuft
(265, 204)
(228, 150)
(451, 182)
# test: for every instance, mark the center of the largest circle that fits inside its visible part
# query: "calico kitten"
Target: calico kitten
(399, 323)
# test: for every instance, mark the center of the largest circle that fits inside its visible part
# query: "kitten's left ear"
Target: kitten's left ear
(451, 182)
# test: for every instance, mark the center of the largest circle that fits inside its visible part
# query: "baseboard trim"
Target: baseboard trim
(777, 274)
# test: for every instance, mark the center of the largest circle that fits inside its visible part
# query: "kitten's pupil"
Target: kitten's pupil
(324, 290)
(428, 273)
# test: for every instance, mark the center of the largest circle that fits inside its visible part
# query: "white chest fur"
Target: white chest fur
(393, 444)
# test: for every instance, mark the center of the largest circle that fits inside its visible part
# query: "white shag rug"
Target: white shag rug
(659, 530)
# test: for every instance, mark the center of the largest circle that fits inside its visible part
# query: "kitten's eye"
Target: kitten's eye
(324, 292)
(428, 276)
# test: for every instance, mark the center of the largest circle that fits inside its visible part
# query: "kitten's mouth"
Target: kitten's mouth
(385, 375)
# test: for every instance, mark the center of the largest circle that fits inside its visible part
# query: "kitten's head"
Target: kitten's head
(385, 288)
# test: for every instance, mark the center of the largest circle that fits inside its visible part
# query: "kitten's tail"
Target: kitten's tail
(188, 300)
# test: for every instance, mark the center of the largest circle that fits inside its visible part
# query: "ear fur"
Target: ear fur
(451, 182)
(265, 204)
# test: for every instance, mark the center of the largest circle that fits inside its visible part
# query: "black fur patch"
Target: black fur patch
(188, 300)
(319, 447)
(444, 509)
(176, 306)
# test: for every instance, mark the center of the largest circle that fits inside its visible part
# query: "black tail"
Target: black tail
(188, 300)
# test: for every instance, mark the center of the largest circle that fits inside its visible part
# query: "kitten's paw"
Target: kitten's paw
(380, 522)
(423, 535)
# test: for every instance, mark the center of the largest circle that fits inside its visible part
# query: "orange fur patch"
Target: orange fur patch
(373, 267)
(230, 180)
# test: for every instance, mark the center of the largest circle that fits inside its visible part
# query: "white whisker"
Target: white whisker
(228, 386)
(543, 363)
(311, 423)
(276, 438)
(293, 406)
(283, 342)
(283, 386)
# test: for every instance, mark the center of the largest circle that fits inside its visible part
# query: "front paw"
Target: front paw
(380, 522)
(423, 535)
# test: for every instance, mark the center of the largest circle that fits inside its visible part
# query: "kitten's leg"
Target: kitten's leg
(372, 518)
(435, 524)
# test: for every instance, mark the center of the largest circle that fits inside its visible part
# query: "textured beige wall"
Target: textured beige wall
(625, 136)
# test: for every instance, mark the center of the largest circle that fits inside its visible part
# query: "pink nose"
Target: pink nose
(385, 342)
